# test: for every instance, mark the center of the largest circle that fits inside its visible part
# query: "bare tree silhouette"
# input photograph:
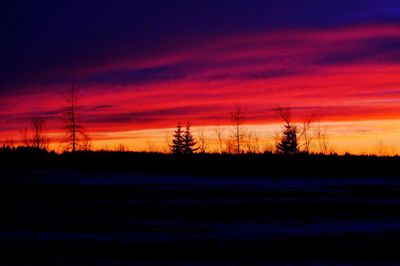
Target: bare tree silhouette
(220, 133)
(76, 138)
(238, 131)
(167, 137)
(230, 146)
(202, 141)
(305, 135)
(252, 141)
(86, 144)
(36, 137)
(152, 147)
(323, 141)
(121, 148)
(381, 149)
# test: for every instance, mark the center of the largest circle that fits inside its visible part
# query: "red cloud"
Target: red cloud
(341, 74)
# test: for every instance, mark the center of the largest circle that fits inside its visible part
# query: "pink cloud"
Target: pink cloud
(342, 74)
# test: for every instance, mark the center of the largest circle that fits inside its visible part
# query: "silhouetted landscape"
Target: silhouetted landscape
(295, 200)
(123, 207)
(201, 132)
(268, 164)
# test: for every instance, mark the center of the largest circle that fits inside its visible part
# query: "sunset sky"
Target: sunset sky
(142, 66)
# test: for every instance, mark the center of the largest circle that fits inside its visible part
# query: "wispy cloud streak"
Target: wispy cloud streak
(343, 74)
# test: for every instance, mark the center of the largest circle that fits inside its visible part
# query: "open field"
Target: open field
(80, 217)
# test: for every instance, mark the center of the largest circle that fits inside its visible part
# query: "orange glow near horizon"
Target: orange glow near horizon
(357, 137)
(363, 137)
(349, 77)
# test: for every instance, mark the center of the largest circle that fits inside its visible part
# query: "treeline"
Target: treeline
(17, 159)
(295, 136)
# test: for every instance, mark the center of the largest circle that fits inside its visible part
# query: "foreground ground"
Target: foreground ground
(84, 217)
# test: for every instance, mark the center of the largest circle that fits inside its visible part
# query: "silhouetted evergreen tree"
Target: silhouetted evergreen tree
(177, 146)
(189, 141)
(288, 143)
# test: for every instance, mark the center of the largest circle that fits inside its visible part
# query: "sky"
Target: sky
(142, 66)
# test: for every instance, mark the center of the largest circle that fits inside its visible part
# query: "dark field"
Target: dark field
(85, 217)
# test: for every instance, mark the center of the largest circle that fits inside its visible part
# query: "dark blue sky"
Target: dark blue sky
(60, 36)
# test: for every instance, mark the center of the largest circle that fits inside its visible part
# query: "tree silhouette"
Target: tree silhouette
(86, 144)
(252, 142)
(75, 138)
(219, 132)
(305, 136)
(238, 132)
(37, 136)
(189, 141)
(288, 142)
(323, 142)
(177, 141)
(202, 141)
